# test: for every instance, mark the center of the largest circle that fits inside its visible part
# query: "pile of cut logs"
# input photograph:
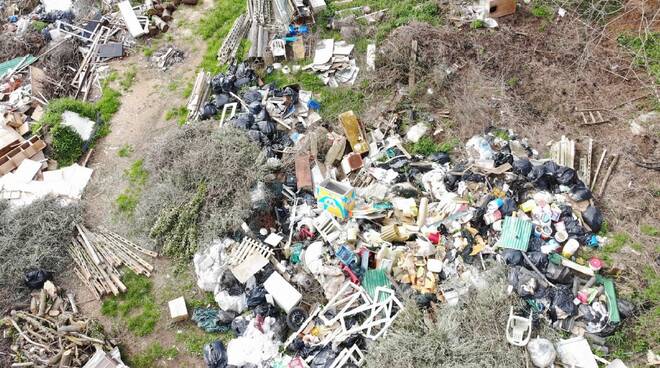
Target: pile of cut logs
(161, 13)
(98, 256)
(51, 333)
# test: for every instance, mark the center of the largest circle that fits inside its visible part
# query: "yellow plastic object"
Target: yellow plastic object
(336, 198)
(528, 206)
(354, 132)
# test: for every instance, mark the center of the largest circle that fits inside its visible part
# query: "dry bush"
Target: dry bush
(470, 334)
(60, 66)
(13, 46)
(226, 160)
(32, 237)
(393, 58)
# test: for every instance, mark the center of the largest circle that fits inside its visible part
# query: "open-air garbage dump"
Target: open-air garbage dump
(329, 183)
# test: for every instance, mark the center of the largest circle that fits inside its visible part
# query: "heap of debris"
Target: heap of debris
(368, 224)
(50, 332)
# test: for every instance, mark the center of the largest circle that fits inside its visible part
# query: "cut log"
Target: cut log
(160, 23)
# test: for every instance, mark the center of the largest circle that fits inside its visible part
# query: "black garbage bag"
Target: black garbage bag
(215, 355)
(566, 176)
(266, 127)
(228, 282)
(252, 96)
(594, 218)
(208, 111)
(216, 83)
(562, 303)
(256, 296)
(473, 177)
(439, 157)
(241, 122)
(538, 259)
(255, 107)
(522, 167)
(451, 182)
(257, 137)
(551, 168)
(324, 358)
(35, 279)
(425, 300)
(525, 282)
(292, 93)
(261, 116)
(535, 244)
(579, 192)
(508, 207)
(502, 158)
(221, 100)
(626, 308)
(512, 257)
(266, 310)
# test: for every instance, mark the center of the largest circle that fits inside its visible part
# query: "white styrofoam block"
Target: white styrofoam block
(285, 295)
(178, 310)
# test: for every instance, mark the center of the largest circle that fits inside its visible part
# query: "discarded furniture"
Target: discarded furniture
(518, 329)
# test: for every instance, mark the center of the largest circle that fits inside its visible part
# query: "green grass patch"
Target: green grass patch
(214, 27)
(137, 176)
(188, 90)
(125, 150)
(193, 340)
(180, 114)
(148, 51)
(172, 86)
(67, 144)
(513, 81)
(649, 230)
(544, 11)
(427, 146)
(136, 308)
(39, 25)
(477, 23)
(645, 50)
(148, 357)
(128, 79)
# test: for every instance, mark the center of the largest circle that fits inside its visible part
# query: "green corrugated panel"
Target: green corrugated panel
(516, 233)
(9, 65)
(373, 279)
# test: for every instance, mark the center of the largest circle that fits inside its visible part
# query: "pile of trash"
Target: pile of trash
(356, 229)
(267, 113)
(334, 64)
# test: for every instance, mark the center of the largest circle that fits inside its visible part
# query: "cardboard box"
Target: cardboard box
(501, 8)
(335, 197)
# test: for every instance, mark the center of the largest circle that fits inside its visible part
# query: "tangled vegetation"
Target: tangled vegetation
(470, 334)
(33, 236)
(176, 228)
(225, 160)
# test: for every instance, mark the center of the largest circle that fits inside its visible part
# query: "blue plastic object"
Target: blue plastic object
(313, 104)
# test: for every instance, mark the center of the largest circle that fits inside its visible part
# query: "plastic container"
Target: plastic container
(570, 248)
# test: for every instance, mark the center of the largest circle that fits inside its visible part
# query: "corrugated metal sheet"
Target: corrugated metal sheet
(21, 61)
(516, 233)
(373, 279)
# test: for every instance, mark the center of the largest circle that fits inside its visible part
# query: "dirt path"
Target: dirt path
(140, 119)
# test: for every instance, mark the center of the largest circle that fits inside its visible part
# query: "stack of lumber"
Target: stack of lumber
(98, 257)
(51, 332)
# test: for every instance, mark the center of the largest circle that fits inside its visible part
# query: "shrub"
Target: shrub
(67, 145)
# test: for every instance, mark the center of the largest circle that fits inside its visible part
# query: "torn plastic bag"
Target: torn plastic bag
(230, 303)
(551, 168)
(542, 352)
(208, 111)
(256, 296)
(524, 282)
(562, 303)
(502, 158)
(579, 192)
(35, 279)
(215, 355)
(522, 167)
(209, 320)
(593, 217)
(239, 325)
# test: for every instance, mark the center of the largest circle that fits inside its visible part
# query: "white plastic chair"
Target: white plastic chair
(278, 47)
(518, 329)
